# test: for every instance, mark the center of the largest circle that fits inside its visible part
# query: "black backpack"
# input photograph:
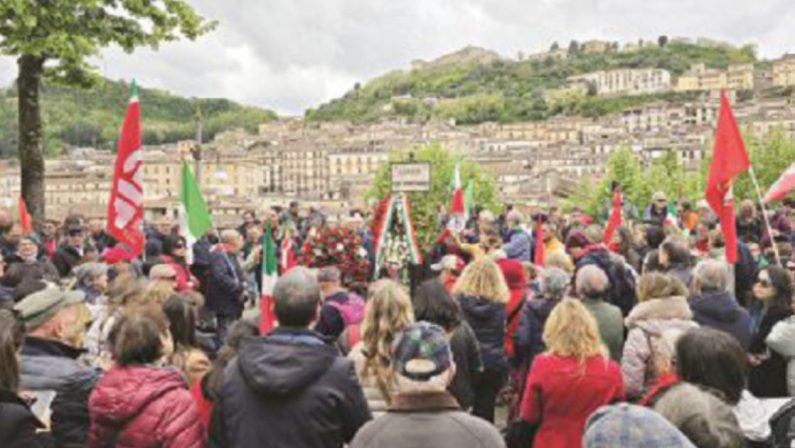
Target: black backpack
(622, 282)
(782, 425)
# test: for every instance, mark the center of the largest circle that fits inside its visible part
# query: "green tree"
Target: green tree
(662, 41)
(425, 206)
(574, 48)
(55, 39)
(554, 47)
(769, 157)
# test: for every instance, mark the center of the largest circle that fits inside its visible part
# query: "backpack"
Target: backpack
(622, 283)
(782, 425)
(352, 311)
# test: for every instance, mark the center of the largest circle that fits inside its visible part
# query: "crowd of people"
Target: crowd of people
(507, 335)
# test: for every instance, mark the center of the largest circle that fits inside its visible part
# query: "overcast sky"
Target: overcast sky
(292, 54)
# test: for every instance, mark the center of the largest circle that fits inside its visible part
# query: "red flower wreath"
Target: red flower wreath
(342, 248)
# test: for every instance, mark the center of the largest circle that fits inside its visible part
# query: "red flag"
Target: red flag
(729, 159)
(538, 256)
(783, 185)
(615, 217)
(24, 218)
(126, 205)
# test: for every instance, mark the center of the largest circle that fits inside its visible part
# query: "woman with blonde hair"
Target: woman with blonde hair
(571, 379)
(387, 313)
(655, 323)
(482, 293)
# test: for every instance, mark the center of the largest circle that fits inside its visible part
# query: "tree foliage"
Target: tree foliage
(770, 157)
(66, 33)
(513, 90)
(425, 206)
(54, 40)
(92, 117)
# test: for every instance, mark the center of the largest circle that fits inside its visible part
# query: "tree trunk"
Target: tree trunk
(31, 154)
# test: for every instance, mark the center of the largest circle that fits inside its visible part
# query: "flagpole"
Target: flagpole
(764, 213)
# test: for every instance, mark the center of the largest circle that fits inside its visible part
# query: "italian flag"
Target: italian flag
(269, 276)
(469, 200)
(671, 218)
(457, 201)
(194, 218)
(783, 185)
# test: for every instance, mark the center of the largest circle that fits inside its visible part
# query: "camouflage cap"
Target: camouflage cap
(421, 352)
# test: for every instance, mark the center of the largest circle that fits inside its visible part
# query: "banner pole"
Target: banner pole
(764, 214)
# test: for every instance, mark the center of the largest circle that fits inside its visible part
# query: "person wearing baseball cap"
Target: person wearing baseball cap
(55, 323)
(423, 413)
(449, 268)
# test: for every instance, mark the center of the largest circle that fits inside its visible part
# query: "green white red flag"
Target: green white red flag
(457, 200)
(269, 275)
(126, 204)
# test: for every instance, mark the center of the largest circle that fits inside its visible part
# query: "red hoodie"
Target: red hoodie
(516, 279)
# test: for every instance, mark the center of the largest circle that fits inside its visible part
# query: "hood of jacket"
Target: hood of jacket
(124, 392)
(480, 310)
(284, 362)
(716, 306)
(660, 309)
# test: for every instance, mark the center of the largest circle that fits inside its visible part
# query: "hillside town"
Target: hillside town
(333, 164)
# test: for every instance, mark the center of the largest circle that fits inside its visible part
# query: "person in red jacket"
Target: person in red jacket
(571, 380)
(136, 403)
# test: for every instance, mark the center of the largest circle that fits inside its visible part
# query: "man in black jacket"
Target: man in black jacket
(49, 366)
(226, 283)
(289, 388)
(71, 251)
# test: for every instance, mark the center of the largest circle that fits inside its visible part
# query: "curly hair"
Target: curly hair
(483, 278)
(387, 313)
(570, 330)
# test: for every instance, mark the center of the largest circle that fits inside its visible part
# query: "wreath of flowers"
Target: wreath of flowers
(339, 247)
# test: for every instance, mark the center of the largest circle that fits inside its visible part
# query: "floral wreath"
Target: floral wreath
(339, 247)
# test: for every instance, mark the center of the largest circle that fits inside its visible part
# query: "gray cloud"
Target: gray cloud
(294, 54)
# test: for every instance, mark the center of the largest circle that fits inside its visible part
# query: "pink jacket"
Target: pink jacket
(143, 406)
(654, 326)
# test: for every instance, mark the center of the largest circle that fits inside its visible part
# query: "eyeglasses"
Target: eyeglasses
(172, 278)
(763, 282)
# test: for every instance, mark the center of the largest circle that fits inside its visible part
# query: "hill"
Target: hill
(478, 89)
(92, 117)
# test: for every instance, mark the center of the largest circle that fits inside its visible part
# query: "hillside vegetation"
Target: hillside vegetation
(92, 117)
(509, 90)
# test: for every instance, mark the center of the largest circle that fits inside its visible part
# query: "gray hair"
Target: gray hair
(711, 275)
(88, 272)
(296, 297)
(591, 281)
(701, 416)
(554, 283)
(230, 236)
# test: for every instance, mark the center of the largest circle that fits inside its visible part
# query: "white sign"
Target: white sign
(411, 177)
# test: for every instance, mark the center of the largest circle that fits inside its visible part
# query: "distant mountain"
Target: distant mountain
(474, 85)
(80, 117)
